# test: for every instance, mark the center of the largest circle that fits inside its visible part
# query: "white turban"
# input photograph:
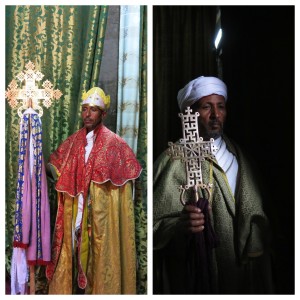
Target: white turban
(198, 88)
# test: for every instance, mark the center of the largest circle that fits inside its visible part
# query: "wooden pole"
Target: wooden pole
(32, 280)
(32, 268)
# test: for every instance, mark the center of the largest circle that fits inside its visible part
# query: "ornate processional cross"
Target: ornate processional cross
(192, 150)
(30, 95)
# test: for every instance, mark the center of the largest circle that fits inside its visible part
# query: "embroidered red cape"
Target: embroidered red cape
(110, 159)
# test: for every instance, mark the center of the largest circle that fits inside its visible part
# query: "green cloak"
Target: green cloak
(241, 262)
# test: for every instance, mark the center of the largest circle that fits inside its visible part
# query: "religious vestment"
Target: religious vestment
(99, 254)
(240, 262)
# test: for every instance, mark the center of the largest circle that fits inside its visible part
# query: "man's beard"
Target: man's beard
(207, 133)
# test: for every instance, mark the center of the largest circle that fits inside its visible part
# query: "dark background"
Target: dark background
(257, 58)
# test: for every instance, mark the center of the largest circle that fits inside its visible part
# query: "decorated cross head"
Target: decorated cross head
(29, 95)
(192, 150)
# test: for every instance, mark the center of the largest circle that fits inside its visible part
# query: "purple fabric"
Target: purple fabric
(34, 210)
(32, 249)
(45, 224)
(45, 217)
(199, 249)
(26, 201)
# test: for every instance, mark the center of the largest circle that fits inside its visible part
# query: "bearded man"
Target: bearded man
(239, 261)
(93, 248)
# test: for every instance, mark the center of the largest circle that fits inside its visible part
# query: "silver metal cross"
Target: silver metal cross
(30, 95)
(192, 150)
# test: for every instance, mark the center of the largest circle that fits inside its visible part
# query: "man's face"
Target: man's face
(91, 116)
(212, 111)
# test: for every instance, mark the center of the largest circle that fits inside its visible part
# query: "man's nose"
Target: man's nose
(214, 113)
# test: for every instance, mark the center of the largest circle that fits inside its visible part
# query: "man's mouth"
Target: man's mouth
(215, 124)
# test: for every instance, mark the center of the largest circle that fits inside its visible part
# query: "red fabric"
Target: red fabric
(39, 262)
(57, 239)
(20, 245)
(110, 159)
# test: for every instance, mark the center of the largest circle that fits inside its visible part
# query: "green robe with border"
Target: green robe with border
(241, 262)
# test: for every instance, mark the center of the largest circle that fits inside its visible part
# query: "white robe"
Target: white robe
(228, 162)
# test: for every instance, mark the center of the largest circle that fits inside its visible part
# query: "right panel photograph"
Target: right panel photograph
(223, 150)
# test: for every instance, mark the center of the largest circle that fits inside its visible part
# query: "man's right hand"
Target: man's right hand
(191, 219)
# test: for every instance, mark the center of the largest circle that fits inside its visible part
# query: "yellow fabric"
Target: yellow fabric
(110, 250)
(84, 253)
(62, 279)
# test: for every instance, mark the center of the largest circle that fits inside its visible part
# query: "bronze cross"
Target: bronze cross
(192, 150)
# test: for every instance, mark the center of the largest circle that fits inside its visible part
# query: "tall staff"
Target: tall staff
(31, 242)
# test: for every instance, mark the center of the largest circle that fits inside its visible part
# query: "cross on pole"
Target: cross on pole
(192, 150)
(30, 95)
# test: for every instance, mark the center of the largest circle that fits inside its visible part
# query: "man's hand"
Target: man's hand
(48, 171)
(191, 220)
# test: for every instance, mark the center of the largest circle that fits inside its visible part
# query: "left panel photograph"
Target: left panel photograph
(76, 149)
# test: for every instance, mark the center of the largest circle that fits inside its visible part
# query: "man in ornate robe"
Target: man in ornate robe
(240, 262)
(93, 248)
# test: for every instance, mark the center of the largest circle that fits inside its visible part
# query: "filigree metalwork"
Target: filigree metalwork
(192, 150)
(29, 95)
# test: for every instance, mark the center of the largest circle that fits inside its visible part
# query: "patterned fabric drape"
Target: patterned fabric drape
(141, 184)
(182, 50)
(132, 116)
(65, 43)
(128, 81)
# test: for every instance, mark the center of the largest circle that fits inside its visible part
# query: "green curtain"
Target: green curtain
(183, 38)
(65, 43)
(141, 184)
